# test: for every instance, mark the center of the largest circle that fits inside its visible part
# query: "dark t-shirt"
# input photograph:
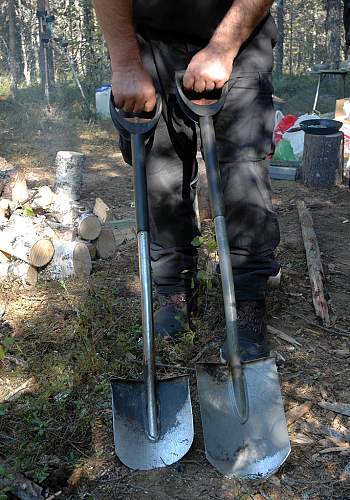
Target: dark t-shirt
(196, 21)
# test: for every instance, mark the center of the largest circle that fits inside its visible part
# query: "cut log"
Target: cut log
(88, 226)
(37, 224)
(15, 187)
(105, 244)
(69, 174)
(91, 246)
(322, 165)
(17, 269)
(314, 263)
(67, 211)
(71, 259)
(123, 230)
(62, 231)
(24, 239)
(44, 197)
(102, 211)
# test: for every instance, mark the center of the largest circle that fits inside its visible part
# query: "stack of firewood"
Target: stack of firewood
(46, 233)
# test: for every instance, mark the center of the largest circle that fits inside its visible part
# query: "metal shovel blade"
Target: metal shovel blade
(253, 449)
(132, 444)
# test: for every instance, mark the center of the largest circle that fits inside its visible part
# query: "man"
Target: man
(214, 42)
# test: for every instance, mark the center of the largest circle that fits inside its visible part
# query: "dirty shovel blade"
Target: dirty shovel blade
(253, 449)
(175, 422)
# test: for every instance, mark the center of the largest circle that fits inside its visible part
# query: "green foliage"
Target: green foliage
(5, 345)
(29, 212)
(197, 241)
(5, 85)
(41, 474)
(5, 481)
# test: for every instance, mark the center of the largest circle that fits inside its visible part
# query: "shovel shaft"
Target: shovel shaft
(142, 222)
(217, 206)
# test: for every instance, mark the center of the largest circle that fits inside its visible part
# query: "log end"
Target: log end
(41, 253)
(82, 261)
(90, 227)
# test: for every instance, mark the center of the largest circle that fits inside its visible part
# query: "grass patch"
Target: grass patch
(71, 353)
(299, 92)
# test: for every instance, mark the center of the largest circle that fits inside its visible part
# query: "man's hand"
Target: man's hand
(133, 88)
(209, 69)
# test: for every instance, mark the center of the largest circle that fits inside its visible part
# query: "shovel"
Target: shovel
(243, 420)
(152, 420)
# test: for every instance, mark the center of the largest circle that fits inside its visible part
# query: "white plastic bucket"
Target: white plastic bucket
(102, 96)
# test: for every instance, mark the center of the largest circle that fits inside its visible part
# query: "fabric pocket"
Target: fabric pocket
(262, 82)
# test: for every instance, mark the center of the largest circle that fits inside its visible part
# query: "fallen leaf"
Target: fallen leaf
(74, 478)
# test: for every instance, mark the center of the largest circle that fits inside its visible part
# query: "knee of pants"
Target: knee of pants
(125, 147)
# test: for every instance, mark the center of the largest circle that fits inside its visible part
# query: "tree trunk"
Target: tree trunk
(89, 49)
(291, 16)
(280, 43)
(45, 49)
(11, 9)
(333, 26)
(322, 165)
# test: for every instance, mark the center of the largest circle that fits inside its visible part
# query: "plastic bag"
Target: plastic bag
(296, 139)
(284, 151)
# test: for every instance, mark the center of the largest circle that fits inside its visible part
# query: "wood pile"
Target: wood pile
(46, 233)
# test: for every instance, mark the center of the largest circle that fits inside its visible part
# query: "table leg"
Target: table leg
(317, 93)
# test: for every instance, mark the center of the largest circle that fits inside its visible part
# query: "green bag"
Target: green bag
(284, 151)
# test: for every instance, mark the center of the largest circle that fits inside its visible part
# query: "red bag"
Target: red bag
(282, 126)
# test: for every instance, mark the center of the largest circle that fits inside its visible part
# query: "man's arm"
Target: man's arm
(212, 66)
(132, 86)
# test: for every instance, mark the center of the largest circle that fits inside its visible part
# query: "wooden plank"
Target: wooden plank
(314, 263)
(342, 408)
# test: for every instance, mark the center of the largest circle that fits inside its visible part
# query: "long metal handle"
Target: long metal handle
(142, 224)
(217, 206)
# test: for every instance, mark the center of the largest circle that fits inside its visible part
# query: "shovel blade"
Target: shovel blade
(175, 423)
(253, 449)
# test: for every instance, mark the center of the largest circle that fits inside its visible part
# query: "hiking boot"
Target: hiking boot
(252, 331)
(173, 318)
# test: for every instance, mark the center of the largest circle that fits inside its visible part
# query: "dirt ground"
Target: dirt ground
(69, 338)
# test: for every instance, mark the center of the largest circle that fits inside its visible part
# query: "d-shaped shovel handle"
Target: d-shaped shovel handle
(188, 101)
(135, 123)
